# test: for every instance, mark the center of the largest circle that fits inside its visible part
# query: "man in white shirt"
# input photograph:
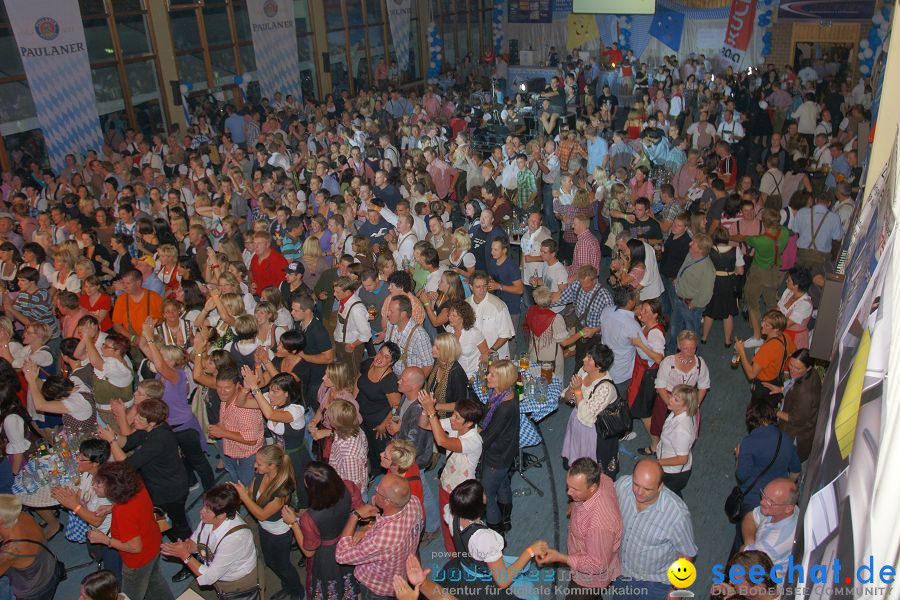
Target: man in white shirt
(229, 537)
(403, 209)
(821, 153)
(771, 181)
(428, 259)
(492, 316)
(844, 205)
(770, 527)
(352, 330)
(730, 130)
(403, 248)
(554, 276)
(532, 262)
(808, 74)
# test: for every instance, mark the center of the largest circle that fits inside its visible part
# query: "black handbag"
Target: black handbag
(735, 499)
(614, 421)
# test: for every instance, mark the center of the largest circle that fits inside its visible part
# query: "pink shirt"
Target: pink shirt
(442, 174)
(595, 534)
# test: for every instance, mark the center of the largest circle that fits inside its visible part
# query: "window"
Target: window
(133, 35)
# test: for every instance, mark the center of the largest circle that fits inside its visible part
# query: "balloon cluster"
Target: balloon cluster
(497, 25)
(436, 45)
(765, 10)
(878, 34)
(624, 32)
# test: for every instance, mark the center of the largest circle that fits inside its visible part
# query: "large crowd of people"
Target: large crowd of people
(293, 306)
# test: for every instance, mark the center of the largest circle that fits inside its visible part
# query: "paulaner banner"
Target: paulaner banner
(50, 39)
(399, 15)
(741, 20)
(275, 45)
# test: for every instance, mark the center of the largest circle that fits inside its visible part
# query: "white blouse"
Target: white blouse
(594, 398)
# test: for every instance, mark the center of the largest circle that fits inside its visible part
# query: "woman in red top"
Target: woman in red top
(400, 458)
(97, 303)
(133, 532)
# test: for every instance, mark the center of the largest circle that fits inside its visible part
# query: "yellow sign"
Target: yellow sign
(581, 29)
(682, 573)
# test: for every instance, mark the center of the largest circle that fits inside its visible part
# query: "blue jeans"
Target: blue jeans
(240, 469)
(669, 298)
(432, 506)
(641, 590)
(497, 487)
(550, 220)
(367, 594)
(683, 318)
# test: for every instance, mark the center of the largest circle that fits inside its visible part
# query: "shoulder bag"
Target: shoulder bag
(735, 499)
(614, 421)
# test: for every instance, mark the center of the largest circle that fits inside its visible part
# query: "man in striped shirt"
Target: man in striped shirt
(33, 304)
(657, 532)
(595, 531)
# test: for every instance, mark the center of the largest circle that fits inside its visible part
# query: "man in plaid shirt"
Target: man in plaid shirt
(587, 248)
(380, 551)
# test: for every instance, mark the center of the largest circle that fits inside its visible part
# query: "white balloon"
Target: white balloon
(864, 69)
(878, 18)
(867, 53)
(864, 44)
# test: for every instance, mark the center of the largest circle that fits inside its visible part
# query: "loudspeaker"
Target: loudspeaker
(176, 92)
(536, 85)
(513, 52)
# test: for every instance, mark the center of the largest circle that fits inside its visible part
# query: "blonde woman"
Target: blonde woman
(461, 261)
(500, 439)
(84, 268)
(167, 270)
(33, 347)
(399, 458)
(678, 434)
(314, 261)
(349, 449)
(272, 486)
(64, 277)
(338, 383)
(447, 381)
(282, 317)
(268, 333)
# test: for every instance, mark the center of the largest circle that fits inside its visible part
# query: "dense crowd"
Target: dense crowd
(332, 302)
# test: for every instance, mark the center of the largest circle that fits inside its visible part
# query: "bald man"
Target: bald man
(406, 427)
(657, 531)
(379, 551)
(770, 526)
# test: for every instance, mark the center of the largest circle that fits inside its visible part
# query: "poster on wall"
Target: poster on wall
(50, 39)
(826, 10)
(274, 35)
(399, 15)
(530, 11)
(738, 33)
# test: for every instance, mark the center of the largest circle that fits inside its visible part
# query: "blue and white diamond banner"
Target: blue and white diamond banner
(399, 15)
(50, 39)
(274, 35)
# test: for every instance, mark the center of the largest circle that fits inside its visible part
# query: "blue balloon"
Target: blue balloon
(189, 86)
(238, 80)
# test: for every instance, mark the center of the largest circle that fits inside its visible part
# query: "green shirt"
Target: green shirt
(766, 256)
(695, 280)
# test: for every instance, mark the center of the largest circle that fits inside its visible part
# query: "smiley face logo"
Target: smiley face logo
(682, 573)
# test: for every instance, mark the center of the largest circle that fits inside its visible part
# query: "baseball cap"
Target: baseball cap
(295, 268)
